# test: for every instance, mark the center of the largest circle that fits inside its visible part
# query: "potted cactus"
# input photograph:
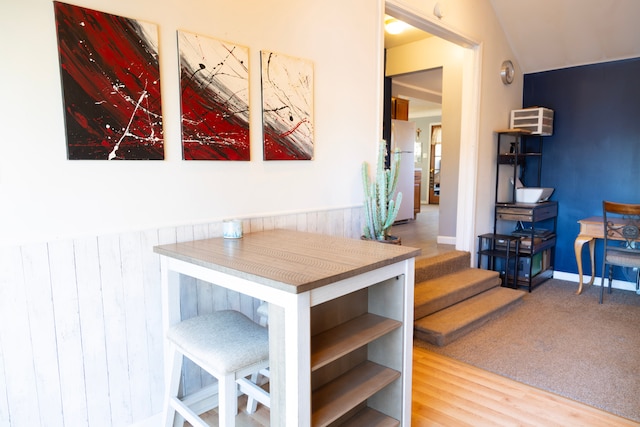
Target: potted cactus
(380, 210)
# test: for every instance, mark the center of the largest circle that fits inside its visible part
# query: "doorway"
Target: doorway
(461, 204)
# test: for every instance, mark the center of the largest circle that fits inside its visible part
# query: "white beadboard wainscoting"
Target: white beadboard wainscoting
(80, 321)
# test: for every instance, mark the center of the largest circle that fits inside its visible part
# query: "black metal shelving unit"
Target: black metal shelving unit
(532, 225)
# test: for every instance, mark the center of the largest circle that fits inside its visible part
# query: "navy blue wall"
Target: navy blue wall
(594, 152)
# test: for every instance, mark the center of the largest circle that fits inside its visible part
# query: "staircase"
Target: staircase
(452, 299)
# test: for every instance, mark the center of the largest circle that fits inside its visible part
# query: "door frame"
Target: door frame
(470, 116)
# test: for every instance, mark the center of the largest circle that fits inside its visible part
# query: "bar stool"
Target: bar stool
(229, 346)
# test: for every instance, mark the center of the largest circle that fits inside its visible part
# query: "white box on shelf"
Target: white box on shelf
(538, 120)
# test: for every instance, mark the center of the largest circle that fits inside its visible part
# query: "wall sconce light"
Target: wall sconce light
(394, 26)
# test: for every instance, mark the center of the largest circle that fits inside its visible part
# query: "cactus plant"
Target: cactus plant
(380, 209)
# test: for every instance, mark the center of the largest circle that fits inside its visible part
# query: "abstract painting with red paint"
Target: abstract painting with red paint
(111, 85)
(214, 85)
(287, 107)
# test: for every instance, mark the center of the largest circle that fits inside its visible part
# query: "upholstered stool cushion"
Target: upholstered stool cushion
(227, 340)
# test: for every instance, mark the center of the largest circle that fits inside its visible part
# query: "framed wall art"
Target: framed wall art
(287, 107)
(214, 85)
(110, 84)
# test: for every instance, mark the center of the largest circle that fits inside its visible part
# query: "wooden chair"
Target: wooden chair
(621, 239)
(229, 346)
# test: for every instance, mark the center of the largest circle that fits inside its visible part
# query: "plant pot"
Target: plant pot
(393, 240)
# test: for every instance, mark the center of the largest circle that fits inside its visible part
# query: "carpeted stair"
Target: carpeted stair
(452, 299)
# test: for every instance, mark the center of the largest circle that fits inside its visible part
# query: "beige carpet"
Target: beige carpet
(564, 343)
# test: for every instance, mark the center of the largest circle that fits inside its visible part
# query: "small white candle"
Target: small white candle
(232, 229)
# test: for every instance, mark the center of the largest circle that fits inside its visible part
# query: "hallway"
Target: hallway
(422, 232)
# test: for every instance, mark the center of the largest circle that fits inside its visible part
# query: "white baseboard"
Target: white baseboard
(446, 240)
(573, 277)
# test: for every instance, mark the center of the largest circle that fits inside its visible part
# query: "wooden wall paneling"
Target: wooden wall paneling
(18, 401)
(92, 330)
(153, 302)
(268, 223)
(37, 281)
(204, 291)
(336, 223)
(188, 288)
(346, 222)
(166, 235)
(301, 222)
(136, 323)
(204, 304)
(215, 228)
(85, 346)
(255, 225)
(115, 328)
(4, 401)
(323, 226)
(205, 297)
(352, 227)
(65, 302)
(312, 222)
(287, 222)
(191, 373)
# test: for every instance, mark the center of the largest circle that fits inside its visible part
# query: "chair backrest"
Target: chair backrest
(621, 226)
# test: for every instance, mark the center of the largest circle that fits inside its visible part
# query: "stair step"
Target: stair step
(436, 294)
(440, 265)
(453, 322)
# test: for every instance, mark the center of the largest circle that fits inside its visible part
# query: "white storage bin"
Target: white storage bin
(537, 120)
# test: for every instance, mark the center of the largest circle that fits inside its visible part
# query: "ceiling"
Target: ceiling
(552, 34)
(423, 89)
(544, 35)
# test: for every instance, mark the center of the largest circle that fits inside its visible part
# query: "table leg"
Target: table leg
(290, 368)
(592, 255)
(577, 246)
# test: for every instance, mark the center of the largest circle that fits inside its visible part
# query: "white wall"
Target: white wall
(45, 196)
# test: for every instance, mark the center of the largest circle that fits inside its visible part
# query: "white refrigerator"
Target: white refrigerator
(403, 137)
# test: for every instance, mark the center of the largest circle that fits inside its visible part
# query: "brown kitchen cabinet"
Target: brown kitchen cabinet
(399, 109)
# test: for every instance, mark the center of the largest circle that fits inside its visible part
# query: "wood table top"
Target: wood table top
(293, 261)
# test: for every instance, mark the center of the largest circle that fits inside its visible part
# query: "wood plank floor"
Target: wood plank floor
(451, 393)
(447, 392)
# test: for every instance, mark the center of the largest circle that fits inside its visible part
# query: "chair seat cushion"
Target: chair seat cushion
(226, 340)
(623, 258)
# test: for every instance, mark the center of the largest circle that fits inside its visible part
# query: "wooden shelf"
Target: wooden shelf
(538, 246)
(339, 396)
(334, 343)
(514, 131)
(371, 418)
